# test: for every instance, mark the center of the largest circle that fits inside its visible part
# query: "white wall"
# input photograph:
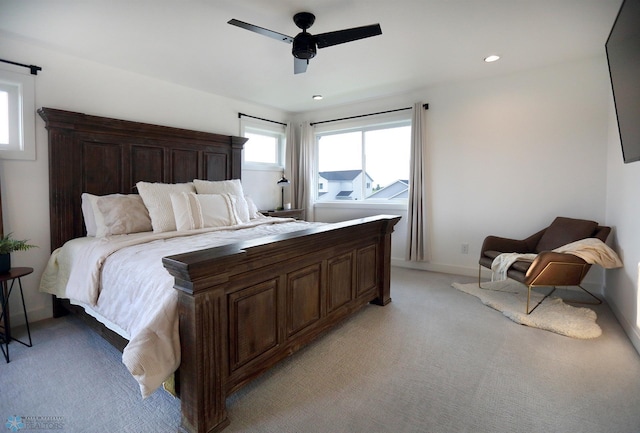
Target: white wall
(69, 83)
(507, 155)
(623, 214)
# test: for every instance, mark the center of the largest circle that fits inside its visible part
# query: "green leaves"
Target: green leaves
(8, 244)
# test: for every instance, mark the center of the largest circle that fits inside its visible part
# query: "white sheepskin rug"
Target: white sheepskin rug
(510, 298)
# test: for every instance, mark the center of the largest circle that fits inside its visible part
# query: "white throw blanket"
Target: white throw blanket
(122, 279)
(591, 250)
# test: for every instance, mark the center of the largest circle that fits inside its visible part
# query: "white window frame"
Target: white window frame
(270, 129)
(369, 123)
(21, 90)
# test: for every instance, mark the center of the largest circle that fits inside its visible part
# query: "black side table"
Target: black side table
(285, 213)
(5, 293)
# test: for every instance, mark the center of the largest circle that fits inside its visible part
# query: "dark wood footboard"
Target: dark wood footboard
(246, 306)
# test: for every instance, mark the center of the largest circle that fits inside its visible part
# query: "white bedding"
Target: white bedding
(122, 279)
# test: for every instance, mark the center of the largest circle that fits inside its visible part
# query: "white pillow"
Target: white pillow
(197, 211)
(233, 187)
(88, 214)
(253, 209)
(180, 202)
(157, 199)
(93, 219)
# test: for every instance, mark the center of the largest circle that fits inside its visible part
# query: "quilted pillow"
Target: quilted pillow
(157, 199)
(565, 230)
(197, 211)
(233, 187)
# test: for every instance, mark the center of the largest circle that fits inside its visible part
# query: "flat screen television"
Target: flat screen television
(623, 56)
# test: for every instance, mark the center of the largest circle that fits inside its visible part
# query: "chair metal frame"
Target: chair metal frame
(573, 268)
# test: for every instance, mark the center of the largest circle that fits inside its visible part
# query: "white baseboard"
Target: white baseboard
(592, 286)
(437, 267)
(17, 318)
(631, 330)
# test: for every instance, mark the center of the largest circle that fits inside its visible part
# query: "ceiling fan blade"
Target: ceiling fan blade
(260, 30)
(299, 65)
(341, 36)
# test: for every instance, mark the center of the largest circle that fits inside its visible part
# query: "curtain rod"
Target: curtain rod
(260, 118)
(34, 68)
(425, 106)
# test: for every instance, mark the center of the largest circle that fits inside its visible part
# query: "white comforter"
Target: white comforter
(121, 278)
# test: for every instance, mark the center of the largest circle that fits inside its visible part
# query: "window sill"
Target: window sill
(262, 167)
(361, 205)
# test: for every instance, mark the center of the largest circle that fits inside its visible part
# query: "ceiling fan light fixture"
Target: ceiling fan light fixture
(304, 46)
(492, 58)
(316, 97)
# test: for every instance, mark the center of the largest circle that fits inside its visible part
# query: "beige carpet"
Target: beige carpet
(510, 298)
(435, 360)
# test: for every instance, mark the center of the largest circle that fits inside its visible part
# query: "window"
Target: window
(368, 162)
(4, 117)
(266, 145)
(17, 116)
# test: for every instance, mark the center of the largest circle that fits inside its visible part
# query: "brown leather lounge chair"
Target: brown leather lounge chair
(548, 269)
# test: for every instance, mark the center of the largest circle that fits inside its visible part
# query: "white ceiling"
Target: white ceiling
(423, 42)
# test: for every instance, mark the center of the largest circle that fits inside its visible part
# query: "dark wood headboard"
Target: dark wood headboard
(101, 156)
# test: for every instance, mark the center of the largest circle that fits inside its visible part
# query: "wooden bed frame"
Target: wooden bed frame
(243, 307)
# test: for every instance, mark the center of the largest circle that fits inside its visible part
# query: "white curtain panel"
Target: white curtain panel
(292, 169)
(300, 151)
(306, 158)
(417, 224)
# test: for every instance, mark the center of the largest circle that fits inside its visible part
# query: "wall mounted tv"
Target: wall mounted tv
(623, 56)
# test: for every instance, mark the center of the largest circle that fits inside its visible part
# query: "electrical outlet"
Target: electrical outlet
(464, 248)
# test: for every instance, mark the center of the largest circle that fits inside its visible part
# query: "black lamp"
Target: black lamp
(282, 183)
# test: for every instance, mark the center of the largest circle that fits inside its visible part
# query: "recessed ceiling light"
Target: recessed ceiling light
(317, 97)
(491, 58)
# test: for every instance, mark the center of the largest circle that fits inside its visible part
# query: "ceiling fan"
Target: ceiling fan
(305, 44)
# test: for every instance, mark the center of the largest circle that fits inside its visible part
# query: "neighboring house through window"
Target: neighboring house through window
(344, 185)
(397, 190)
(364, 160)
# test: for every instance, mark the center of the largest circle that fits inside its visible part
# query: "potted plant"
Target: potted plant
(7, 246)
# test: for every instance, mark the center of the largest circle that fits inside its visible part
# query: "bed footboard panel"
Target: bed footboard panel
(245, 307)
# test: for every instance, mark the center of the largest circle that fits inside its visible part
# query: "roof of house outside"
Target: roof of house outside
(397, 189)
(341, 174)
(344, 194)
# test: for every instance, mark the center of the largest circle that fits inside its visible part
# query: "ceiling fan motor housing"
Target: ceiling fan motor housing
(304, 46)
